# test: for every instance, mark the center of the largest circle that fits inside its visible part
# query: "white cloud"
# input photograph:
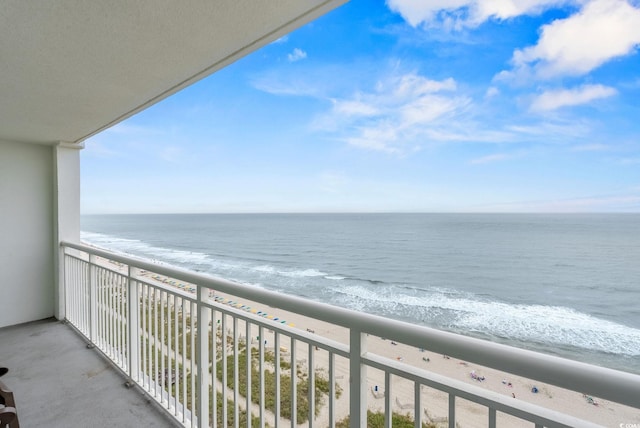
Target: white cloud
(355, 107)
(467, 13)
(559, 130)
(601, 31)
(552, 100)
(398, 114)
(492, 92)
(407, 112)
(412, 84)
(417, 12)
(296, 55)
(283, 39)
(505, 9)
(402, 112)
(273, 84)
(426, 109)
(383, 137)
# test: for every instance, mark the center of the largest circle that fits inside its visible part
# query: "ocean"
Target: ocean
(563, 284)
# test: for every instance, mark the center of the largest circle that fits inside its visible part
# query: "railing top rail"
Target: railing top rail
(609, 384)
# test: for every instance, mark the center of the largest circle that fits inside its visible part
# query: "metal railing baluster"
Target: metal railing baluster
(294, 392)
(492, 417)
(312, 383)
(214, 368)
(417, 397)
(133, 333)
(249, 368)
(193, 369)
(276, 351)
(162, 373)
(332, 389)
(452, 411)
(92, 307)
(387, 400)
(224, 371)
(203, 360)
(184, 378)
(261, 367)
(236, 375)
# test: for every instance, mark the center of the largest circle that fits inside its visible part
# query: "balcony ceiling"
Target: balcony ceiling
(72, 68)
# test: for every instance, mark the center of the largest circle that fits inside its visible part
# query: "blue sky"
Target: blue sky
(403, 105)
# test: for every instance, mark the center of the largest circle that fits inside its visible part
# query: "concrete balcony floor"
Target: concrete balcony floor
(58, 382)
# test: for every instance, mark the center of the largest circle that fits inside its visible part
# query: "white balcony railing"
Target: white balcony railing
(178, 339)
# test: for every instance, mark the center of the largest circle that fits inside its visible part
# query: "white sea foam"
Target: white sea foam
(192, 258)
(555, 324)
(265, 269)
(139, 248)
(304, 273)
(530, 323)
(120, 245)
(293, 273)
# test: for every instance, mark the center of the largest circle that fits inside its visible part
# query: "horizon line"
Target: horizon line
(362, 212)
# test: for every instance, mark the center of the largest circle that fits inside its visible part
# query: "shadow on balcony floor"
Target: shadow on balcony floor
(58, 382)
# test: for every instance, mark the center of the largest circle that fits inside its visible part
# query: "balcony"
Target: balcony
(175, 335)
(180, 340)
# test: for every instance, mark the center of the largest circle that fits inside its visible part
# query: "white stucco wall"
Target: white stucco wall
(27, 275)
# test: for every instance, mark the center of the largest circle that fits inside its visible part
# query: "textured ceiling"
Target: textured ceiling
(71, 68)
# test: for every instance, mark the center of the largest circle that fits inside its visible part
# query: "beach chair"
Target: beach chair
(404, 406)
(8, 412)
(377, 394)
(434, 420)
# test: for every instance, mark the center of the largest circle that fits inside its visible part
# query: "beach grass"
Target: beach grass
(242, 414)
(321, 385)
(376, 420)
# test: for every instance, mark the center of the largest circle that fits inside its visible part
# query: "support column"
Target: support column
(66, 211)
